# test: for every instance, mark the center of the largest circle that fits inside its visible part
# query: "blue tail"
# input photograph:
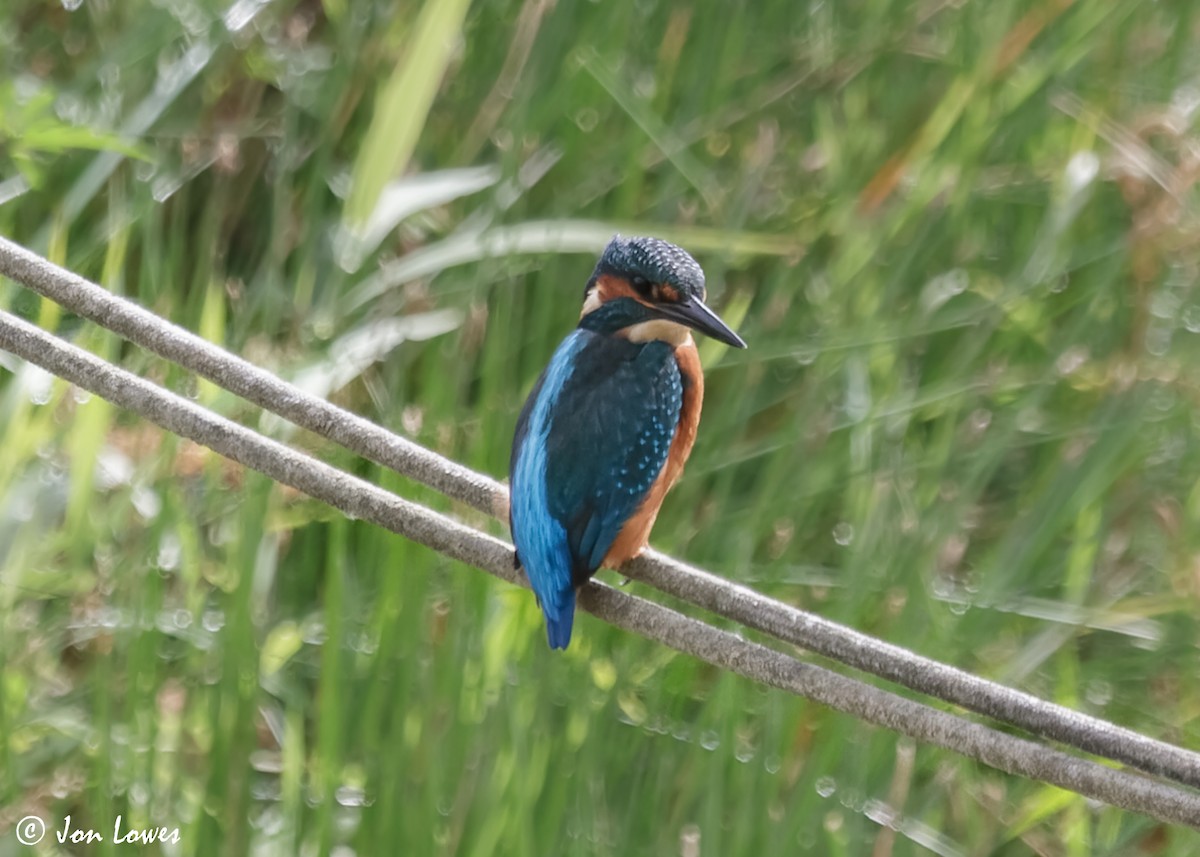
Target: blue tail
(560, 615)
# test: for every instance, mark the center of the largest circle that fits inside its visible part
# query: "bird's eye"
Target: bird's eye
(640, 284)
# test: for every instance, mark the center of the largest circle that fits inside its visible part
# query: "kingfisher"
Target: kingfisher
(609, 424)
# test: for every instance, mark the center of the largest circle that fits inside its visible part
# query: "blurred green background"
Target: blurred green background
(961, 239)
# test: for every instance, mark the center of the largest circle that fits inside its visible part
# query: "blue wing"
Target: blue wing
(590, 442)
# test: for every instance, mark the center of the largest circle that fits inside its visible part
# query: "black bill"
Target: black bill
(699, 317)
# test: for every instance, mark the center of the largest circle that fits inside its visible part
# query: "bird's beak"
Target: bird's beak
(696, 315)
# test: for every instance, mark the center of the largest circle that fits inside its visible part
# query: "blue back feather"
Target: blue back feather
(590, 442)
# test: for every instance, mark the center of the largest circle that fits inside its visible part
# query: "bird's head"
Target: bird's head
(647, 288)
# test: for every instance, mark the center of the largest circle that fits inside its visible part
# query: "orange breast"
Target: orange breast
(631, 541)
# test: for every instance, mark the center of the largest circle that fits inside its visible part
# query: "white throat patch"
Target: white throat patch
(591, 301)
(668, 331)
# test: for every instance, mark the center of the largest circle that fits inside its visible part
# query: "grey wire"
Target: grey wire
(883, 659)
(361, 499)
(256, 385)
(787, 623)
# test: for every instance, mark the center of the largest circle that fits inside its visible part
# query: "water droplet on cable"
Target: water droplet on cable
(1071, 359)
(587, 119)
(1098, 692)
(1191, 318)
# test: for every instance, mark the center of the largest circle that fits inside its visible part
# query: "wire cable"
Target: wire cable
(759, 663)
(689, 584)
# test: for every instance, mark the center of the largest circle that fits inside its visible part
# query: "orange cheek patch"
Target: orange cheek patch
(610, 288)
(666, 293)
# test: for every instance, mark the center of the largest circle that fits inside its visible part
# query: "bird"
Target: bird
(610, 422)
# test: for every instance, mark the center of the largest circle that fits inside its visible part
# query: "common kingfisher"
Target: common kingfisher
(610, 422)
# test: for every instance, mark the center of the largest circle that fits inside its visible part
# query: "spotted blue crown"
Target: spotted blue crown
(656, 260)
